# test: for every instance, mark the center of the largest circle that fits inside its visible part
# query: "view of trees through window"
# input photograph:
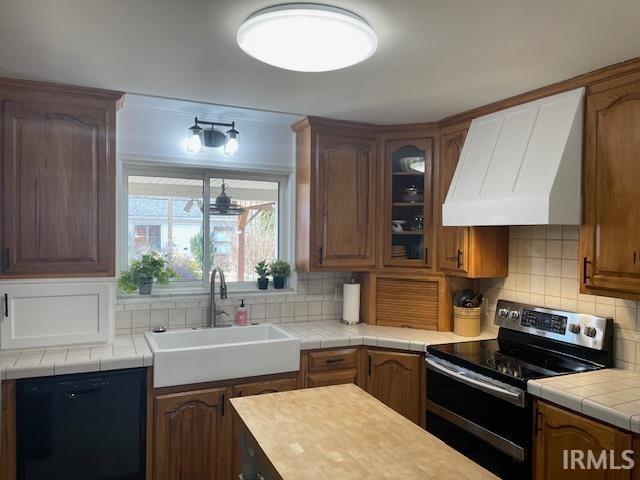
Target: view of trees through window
(166, 215)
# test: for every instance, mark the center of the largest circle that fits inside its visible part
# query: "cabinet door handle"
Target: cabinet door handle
(335, 360)
(538, 423)
(369, 368)
(6, 305)
(224, 398)
(635, 254)
(585, 277)
(459, 258)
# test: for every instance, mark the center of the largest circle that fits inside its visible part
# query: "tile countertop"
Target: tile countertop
(610, 395)
(124, 352)
(133, 351)
(331, 334)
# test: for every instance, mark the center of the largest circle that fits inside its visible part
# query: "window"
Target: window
(167, 214)
(240, 241)
(162, 219)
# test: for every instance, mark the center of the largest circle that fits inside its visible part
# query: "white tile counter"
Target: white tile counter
(124, 352)
(330, 334)
(610, 395)
(133, 351)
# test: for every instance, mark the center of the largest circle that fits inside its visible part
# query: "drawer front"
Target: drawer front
(325, 379)
(342, 359)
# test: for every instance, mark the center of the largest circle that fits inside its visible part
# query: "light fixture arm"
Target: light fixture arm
(215, 124)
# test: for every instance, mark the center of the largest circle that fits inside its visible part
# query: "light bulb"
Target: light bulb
(232, 145)
(195, 140)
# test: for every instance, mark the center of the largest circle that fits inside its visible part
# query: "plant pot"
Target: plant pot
(263, 283)
(145, 284)
(278, 282)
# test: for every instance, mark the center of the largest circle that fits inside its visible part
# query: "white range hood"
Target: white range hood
(521, 166)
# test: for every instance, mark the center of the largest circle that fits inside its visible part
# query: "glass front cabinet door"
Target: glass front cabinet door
(408, 203)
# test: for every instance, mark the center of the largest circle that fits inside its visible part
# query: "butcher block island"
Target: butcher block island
(339, 433)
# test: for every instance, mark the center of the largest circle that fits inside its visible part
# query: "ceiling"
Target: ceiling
(435, 57)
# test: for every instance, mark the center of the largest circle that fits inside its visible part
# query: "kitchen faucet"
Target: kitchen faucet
(215, 313)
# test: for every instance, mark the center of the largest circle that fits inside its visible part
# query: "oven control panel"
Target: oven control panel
(549, 322)
(568, 327)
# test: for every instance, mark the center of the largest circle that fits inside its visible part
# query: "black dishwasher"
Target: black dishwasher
(82, 427)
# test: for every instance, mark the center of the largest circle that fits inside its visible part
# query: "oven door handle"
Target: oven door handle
(512, 397)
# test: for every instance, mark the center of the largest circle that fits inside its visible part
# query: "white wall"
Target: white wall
(151, 129)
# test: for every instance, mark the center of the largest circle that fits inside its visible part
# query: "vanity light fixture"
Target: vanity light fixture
(307, 37)
(212, 137)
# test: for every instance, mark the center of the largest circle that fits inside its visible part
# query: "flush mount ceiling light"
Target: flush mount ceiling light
(307, 37)
(200, 138)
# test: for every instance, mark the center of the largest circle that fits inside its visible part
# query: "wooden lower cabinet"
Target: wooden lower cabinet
(321, 368)
(396, 379)
(557, 430)
(190, 435)
(338, 377)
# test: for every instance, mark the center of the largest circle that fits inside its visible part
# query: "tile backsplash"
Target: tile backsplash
(318, 297)
(543, 270)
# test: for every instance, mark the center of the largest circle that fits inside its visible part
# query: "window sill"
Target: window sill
(199, 293)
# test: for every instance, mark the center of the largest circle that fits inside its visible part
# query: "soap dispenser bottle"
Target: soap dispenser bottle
(242, 314)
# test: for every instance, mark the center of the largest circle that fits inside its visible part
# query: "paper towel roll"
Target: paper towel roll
(351, 303)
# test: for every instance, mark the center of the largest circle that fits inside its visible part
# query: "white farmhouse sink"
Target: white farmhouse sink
(190, 356)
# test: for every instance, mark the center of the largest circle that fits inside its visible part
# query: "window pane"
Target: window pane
(242, 239)
(165, 216)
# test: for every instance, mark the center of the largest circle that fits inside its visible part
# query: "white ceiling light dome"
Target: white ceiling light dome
(307, 37)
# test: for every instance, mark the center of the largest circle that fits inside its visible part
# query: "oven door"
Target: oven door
(486, 420)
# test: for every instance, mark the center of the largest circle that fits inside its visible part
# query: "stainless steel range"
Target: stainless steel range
(477, 397)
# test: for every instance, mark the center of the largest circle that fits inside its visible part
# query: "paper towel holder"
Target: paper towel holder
(357, 308)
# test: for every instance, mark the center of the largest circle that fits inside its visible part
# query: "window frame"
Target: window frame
(285, 218)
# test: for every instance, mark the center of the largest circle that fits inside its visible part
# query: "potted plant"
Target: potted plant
(142, 273)
(280, 271)
(262, 269)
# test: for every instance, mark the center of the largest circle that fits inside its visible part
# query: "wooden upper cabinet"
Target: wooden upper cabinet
(453, 242)
(408, 232)
(474, 252)
(335, 189)
(557, 430)
(395, 380)
(610, 237)
(58, 171)
(190, 435)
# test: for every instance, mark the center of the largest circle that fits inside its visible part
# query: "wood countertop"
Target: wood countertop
(342, 433)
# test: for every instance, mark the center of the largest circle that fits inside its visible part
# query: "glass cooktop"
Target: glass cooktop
(511, 362)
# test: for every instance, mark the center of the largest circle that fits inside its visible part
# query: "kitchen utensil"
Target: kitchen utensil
(411, 194)
(463, 298)
(398, 225)
(412, 164)
(418, 223)
(477, 300)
